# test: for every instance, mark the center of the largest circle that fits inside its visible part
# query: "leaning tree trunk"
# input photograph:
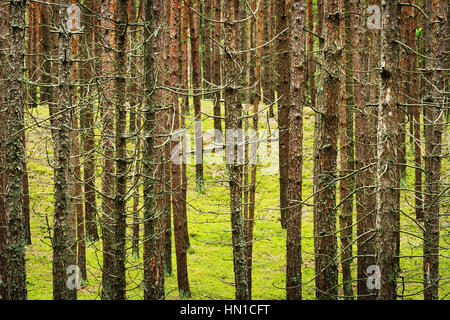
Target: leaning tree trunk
(387, 133)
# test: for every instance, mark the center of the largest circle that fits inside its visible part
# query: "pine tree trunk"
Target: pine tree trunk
(4, 45)
(64, 248)
(15, 248)
(184, 111)
(108, 185)
(87, 123)
(119, 215)
(31, 61)
(233, 122)
(365, 140)
(48, 46)
(283, 78)
(436, 85)
(152, 261)
(216, 68)
(387, 134)
(327, 135)
(208, 6)
(267, 67)
(294, 213)
(414, 100)
(177, 201)
(347, 184)
(194, 22)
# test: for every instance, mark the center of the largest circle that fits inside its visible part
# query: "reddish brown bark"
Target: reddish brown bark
(216, 68)
(387, 133)
(295, 156)
(365, 139)
(347, 161)
(194, 24)
(177, 200)
(283, 83)
(327, 135)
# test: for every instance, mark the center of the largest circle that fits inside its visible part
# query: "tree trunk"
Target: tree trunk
(327, 134)
(64, 248)
(32, 52)
(365, 140)
(4, 45)
(15, 247)
(120, 212)
(414, 99)
(177, 200)
(87, 122)
(294, 213)
(387, 134)
(233, 121)
(108, 204)
(207, 46)
(184, 111)
(283, 78)
(152, 262)
(347, 184)
(434, 99)
(194, 21)
(216, 68)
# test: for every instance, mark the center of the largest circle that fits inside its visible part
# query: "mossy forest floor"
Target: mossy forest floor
(210, 256)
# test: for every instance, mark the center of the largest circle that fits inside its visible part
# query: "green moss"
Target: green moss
(210, 260)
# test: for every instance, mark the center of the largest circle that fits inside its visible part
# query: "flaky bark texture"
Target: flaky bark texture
(414, 99)
(153, 286)
(177, 200)
(347, 156)
(328, 101)
(435, 86)
(64, 248)
(4, 45)
(297, 93)
(87, 122)
(233, 121)
(108, 186)
(118, 286)
(365, 141)
(387, 137)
